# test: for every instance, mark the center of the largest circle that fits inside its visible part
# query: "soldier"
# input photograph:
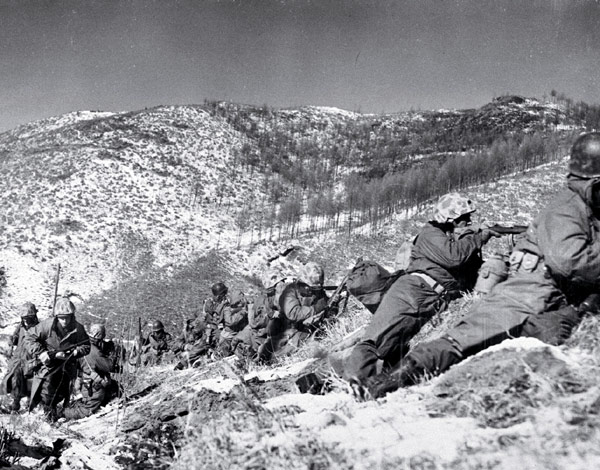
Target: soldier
(230, 310)
(57, 342)
(263, 309)
(444, 261)
(193, 343)
(202, 335)
(302, 307)
(97, 386)
(21, 365)
(555, 272)
(212, 313)
(156, 344)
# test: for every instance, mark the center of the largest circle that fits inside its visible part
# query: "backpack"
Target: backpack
(368, 282)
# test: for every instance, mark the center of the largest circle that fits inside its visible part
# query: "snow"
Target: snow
(279, 372)
(219, 385)
(333, 110)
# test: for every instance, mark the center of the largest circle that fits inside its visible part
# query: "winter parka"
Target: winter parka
(49, 336)
(51, 384)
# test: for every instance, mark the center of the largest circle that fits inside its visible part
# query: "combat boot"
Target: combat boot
(377, 386)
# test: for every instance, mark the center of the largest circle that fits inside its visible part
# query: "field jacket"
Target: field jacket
(447, 257)
(49, 336)
(567, 237)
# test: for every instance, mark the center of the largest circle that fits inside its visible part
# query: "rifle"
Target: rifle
(68, 350)
(508, 230)
(138, 359)
(56, 279)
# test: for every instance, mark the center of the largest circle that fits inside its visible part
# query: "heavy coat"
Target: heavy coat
(297, 304)
(53, 380)
(154, 347)
(19, 368)
(96, 383)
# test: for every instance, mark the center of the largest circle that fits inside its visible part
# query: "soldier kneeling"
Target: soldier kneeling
(97, 386)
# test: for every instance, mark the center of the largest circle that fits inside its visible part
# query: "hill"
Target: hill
(143, 210)
(520, 404)
(114, 197)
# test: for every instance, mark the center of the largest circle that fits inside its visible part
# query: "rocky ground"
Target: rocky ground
(521, 404)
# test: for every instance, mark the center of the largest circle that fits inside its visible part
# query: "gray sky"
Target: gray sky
(368, 55)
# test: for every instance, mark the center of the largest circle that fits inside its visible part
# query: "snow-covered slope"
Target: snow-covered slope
(106, 195)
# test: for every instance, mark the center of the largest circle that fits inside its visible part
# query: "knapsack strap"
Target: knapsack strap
(431, 282)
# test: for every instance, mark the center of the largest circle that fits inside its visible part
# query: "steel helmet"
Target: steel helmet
(312, 274)
(451, 206)
(64, 308)
(218, 289)
(28, 310)
(97, 331)
(585, 156)
(156, 325)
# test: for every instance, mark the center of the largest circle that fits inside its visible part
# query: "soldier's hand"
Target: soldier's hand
(60, 355)
(487, 234)
(314, 319)
(590, 305)
(44, 358)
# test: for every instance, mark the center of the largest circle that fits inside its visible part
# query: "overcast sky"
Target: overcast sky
(368, 55)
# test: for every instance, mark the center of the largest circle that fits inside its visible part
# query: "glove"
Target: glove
(44, 358)
(487, 233)
(78, 351)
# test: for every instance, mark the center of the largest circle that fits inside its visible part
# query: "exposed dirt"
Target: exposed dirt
(264, 390)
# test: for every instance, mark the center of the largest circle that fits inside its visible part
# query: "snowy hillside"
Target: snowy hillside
(111, 196)
(106, 195)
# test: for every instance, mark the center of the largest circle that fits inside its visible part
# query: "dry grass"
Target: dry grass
(254, 438)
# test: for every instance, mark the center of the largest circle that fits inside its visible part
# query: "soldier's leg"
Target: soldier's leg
(488, 324)
(93, 398)
(388, 343)
(406, 307)
(552, 327)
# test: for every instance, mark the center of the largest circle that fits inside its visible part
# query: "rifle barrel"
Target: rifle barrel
(509, 230)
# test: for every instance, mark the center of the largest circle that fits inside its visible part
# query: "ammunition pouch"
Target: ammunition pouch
(526, 262)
